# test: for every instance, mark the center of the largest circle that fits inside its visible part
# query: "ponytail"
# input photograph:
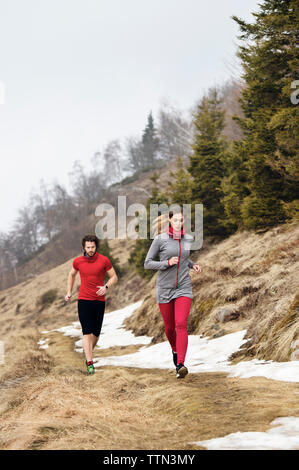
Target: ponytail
(160, 224)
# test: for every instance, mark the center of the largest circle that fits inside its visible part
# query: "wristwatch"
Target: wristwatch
(106, 286)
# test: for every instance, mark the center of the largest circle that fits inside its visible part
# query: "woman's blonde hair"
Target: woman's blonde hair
(161, 222)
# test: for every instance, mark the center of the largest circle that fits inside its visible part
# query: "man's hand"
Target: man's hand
(102, 290)
(196, 268)
(67, 297)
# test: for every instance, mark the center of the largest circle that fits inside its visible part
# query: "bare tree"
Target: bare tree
(24, 234)
(87, 187)
(64, 206)
(44, 213)
(175, 132)
(8, 259)
(231, 93)
(134, 153)
(113, 162)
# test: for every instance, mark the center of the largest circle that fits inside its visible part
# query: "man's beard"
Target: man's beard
(89, 255)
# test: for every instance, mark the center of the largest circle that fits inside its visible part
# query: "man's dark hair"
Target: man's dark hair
(90, 238)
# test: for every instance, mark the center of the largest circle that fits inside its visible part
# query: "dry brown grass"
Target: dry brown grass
(127, 408)
(257, 274)
(47, 401)
(276, 343)
(279, 253)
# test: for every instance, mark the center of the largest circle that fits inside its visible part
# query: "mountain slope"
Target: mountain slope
(252, 275)
(48, 402)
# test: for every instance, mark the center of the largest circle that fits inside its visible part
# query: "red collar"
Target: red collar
(175, 234)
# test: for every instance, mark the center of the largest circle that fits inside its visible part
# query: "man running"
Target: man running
(91, 297)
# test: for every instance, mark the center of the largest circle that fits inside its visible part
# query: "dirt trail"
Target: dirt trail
(48, 402)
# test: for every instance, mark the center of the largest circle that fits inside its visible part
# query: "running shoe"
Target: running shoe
(181, 371)
(90, 367)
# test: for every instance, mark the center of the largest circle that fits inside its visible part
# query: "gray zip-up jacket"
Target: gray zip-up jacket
(172, 281)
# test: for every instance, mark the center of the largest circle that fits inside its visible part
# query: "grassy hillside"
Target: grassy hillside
(255, 276)
(48, 402)
(67, 243)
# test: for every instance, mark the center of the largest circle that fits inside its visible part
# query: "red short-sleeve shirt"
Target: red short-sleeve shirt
(92, 273)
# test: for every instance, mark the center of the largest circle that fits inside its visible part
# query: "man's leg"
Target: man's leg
(99, 309)
(85, 313)
(95, 339)
(88, 346)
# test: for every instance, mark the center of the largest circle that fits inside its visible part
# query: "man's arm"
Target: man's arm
(112, 280)
(70, 283)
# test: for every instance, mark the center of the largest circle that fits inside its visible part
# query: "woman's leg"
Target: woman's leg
(181, 311)
(167, 312)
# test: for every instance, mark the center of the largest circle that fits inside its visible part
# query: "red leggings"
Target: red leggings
(175, 314)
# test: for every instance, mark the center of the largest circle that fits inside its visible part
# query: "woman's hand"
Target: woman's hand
(102, 290)
(68, 297)
(173, 260)
(196, 268)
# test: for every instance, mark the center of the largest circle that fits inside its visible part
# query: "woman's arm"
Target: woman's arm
(190, 263)
(149, 262)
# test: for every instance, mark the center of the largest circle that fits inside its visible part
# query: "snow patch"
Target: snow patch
(283, 437)
(203, 355)
(43, 344)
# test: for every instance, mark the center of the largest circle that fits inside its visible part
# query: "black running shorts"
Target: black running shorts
(91, 313)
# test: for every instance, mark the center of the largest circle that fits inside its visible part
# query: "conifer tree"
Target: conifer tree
(140, 250)
(234, 185)
(207, 163)
(179, 190)
(269, 59)
(150, 143)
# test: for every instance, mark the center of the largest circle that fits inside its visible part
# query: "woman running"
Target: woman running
(173, 284)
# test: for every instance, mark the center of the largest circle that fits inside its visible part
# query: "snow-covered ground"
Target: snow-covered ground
(203, 355)
(285, 436)
(43, 343)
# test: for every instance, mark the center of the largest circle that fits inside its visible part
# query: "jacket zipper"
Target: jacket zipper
(177, 270)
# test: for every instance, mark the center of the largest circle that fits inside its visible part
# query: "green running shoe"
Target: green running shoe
(90, 367)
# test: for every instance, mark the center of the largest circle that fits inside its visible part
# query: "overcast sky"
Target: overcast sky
(75, 74)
